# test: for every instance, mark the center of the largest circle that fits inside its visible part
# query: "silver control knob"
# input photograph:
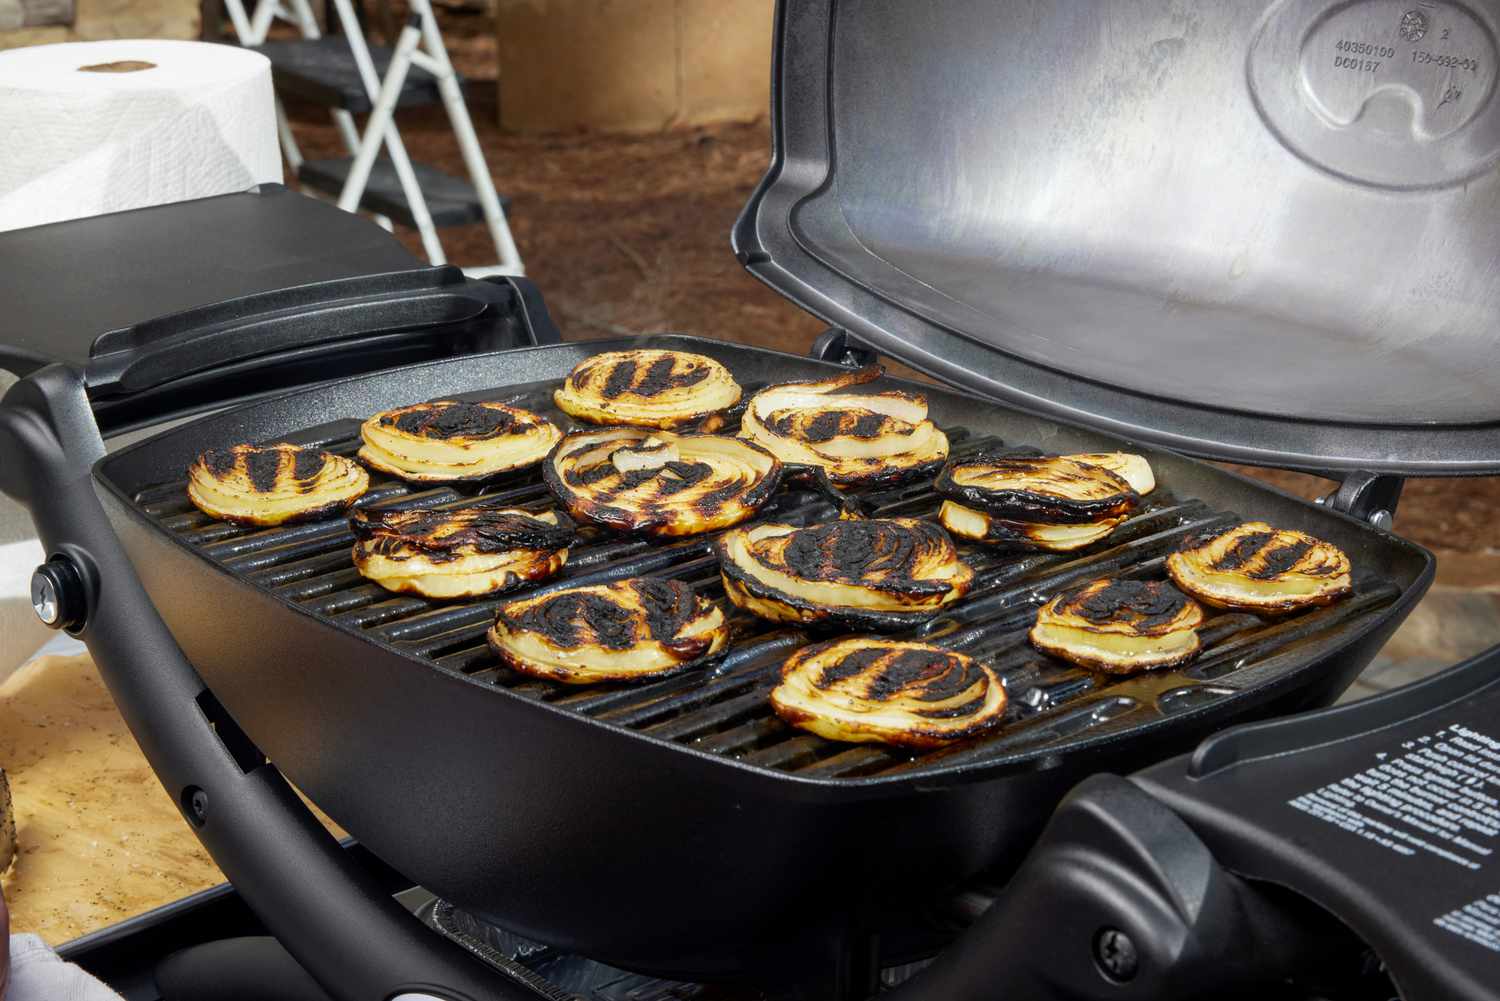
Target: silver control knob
(57, 594)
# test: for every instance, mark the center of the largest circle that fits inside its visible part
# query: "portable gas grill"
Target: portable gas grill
(678, 829)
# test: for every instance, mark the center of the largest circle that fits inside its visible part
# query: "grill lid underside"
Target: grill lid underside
(1248, 231)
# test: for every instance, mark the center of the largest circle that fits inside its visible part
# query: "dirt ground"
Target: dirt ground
(630, 234)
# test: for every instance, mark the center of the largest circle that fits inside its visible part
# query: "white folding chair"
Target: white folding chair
(351, 79)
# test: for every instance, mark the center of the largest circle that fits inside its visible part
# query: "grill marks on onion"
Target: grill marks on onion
(449, 441)
(648, 388)
(273, 484)
(1255, 567)
(1120, 626)
(881, 574)
(1055, 502)
(459, 553)
(859, 438)
(659, 482)
(644, 627)
(863, 689)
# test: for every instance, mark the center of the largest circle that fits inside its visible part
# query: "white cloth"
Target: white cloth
(37, 974)
(182, 120)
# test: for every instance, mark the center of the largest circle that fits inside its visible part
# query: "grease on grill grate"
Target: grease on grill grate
(722, 709)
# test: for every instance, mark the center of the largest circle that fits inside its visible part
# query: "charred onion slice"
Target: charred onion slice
(873, 690)
(460, 553)
(273, 484)
(1132, 468)
(980, 526)
(1051, 502)
(1257, 568)
(659, 482)
(644, 627)
(876, 574)
(447, 441)
(647, 388)
(859, 438)
(1046, 489)
(1120, 626)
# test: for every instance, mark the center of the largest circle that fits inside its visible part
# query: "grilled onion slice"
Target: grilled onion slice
(1256, 568)
(1044, 489)
(878, 574)
(1120, 626)
(1050, 502)
(980, 526)
(859, 438)
(460, 553)
(447, 441)
(273, 484)
(866, 690)
(644, 627)
(659, 482)
(647, 388)
(1132, 468)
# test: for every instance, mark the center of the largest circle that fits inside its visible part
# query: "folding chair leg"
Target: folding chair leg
(397, 149)
(306, 20)
(260, 23)
(468, 142)
(379, 122)
(241, 21)
(289, 147)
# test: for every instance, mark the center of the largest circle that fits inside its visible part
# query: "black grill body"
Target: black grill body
(679, 827)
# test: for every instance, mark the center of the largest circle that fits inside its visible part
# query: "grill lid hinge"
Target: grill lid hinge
(1371, 497)
(838, 345)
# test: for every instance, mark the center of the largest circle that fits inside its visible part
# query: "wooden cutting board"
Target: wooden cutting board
(99, 838)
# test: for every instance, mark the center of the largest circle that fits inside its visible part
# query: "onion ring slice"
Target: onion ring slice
(273, 484)
(1120, 626)
(630, 630)
(1254, 567)
(860, 438)
(647, 388)
(448, 441)
(1132, 468)
(459, 553)
(865, 690)
(658, 482)
(882, 574)
(981, 526)
(1043, 489)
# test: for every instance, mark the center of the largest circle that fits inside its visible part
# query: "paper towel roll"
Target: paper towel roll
(94, 127)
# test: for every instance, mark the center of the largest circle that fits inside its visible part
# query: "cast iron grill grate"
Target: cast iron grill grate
(722, 709)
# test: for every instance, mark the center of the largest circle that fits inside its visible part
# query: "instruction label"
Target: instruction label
(1478, 922)
(1436, 795)
(1439, 795)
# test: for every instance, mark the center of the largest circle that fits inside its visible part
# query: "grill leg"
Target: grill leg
(341, 926)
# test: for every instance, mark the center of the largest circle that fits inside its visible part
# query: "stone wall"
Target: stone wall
(632, 65)
(100, 19)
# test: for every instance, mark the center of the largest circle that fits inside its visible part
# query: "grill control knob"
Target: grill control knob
(57, 594)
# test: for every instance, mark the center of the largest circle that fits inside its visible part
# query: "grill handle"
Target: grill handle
(1120, 901)
(356, 941)
(254, 345)
(155, 352)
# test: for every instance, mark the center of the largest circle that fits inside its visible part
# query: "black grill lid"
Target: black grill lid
(1262, 232)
